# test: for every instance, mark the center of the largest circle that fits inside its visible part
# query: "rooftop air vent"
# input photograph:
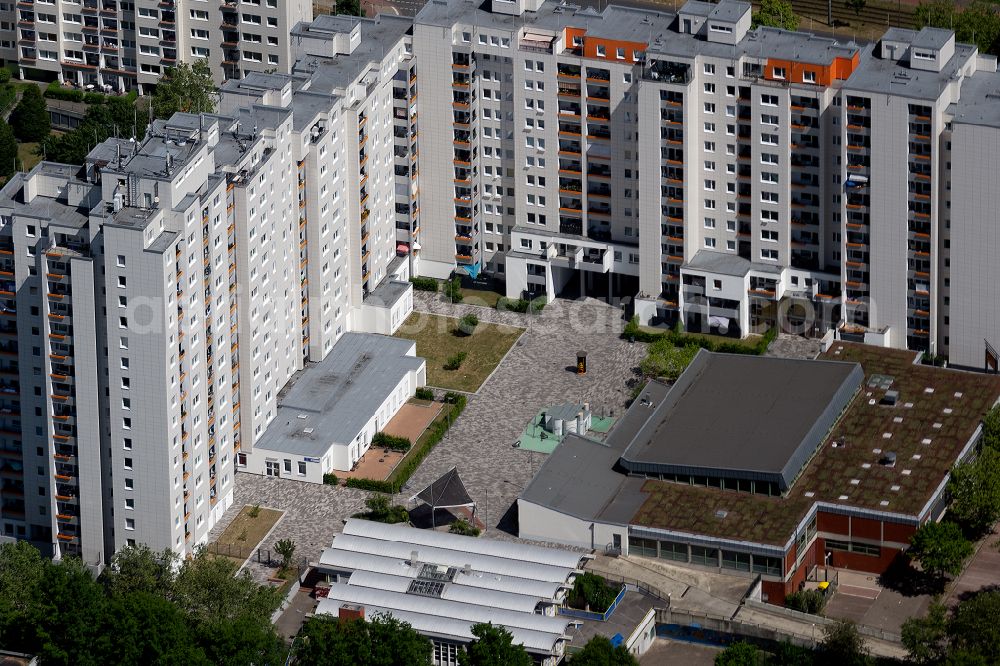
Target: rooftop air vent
(888, 459)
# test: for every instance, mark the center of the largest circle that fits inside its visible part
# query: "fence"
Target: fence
(590, 615)
(638, 585)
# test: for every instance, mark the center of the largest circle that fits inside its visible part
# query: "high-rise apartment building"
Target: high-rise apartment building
(714, 175)
(120, 45)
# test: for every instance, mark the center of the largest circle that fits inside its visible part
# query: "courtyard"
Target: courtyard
(538, 371)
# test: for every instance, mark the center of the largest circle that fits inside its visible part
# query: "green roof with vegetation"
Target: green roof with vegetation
(936, 413)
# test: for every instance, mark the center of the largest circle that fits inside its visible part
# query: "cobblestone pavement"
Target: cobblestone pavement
(539, 371)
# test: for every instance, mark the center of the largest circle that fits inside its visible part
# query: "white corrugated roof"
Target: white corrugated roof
(430, 625)
(347, 560)
(501, 549)
(451, 592)
(467, 612)
(453, 558)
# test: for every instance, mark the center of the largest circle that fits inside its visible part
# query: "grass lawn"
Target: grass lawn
(245, 533)
(438, 338)
(479, 297)
(27, 154)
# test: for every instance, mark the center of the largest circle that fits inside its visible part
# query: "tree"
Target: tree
(926, 638)
(8, 150)
(974, 630)
(148, 629)
(974, 488)
(857, 6)
(381, 510)
(843, 645)
(776, 14)
(740, 653)
(208, 590)
(592, 592)
(22, 571)
(140, 569)
(73, 610)
(185, 88)
(285, 548)
(940, 548)
(381, 640)
(494, 646)
(991, 429)
(350, 8)
(30, 118)
(599, 651)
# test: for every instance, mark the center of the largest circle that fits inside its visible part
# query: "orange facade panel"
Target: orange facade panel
(821, 75)
(600, 48)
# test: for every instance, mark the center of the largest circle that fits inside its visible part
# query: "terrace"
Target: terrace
(935, 414)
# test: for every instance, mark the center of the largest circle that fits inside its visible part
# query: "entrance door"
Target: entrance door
(272, 468)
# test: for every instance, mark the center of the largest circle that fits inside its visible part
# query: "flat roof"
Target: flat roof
(877, 75)
(936, 414)
(329, 402)
(723, 263)
(743, 416)
(388, 293)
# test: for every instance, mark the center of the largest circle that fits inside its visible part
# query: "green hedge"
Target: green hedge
(424, 393)
(681, 339)
(410, 464)
(424, 283)
(330, 479)
(392, 442)
(56, 91)
(535, 305)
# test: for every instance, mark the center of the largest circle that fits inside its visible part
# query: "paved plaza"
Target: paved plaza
(539, 371)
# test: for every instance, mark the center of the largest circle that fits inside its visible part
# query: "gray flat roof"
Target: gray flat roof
(932, 38)
(388, 293)
(578, 478)
(980, 102)
(885, 76)
(723, 263)
(729, 11)
(329, 402)
(378, 35)
(742, 416)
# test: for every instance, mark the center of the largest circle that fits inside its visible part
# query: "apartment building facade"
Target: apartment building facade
(120, 45)
(753, 165)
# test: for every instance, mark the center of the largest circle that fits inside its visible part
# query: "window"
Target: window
(778, 72)
(767, 235)
(302, 468)
(709, 88)
(717, 285)
(704, 556)
(709, 69)
(288, 466)
(769, 255)
(620, 53)
(737, 561)
(710, 243)
(601, 51)
(130, 523)
(769, 100)
(808, 77)
(671, 550)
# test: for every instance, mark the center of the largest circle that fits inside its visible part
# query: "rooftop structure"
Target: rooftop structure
(330, 410)
(778, 413)
(441, 584)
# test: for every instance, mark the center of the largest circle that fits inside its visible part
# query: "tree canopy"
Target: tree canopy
(142, 610)
(843, 645)
(8, 151)
(740, 653)
(494, 646)
(381, 640)
(940, 548)
(776, 14)
(30, 118)
(974, 488)
(187, 88)
(350, 7)
(970, 636)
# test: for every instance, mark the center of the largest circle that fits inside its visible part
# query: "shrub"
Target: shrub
(424, 283)
(4, 75)
(453, 290)
(94, 98)
(330, 479)
(455, 361)
(521, 305)
(806, 601)
(424, 393)
(467, 324)
(591, 591)
(254, 511)
(381, 509)
(464, 527)
(56, 91)
(371, 484)
(681, 339)
(392, 442)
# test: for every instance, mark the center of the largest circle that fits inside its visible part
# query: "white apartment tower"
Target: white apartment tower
(120, 45)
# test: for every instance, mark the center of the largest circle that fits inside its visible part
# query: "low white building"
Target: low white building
(442, 584)
(331, 410)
